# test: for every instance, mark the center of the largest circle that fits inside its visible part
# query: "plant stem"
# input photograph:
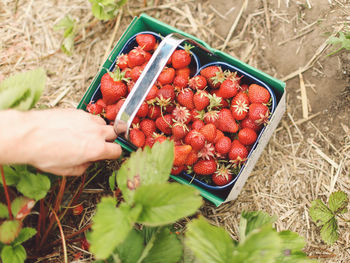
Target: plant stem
(71, 235)
(62, 236)
(6, 193)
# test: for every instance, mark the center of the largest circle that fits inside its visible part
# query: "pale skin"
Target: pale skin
(59, 141)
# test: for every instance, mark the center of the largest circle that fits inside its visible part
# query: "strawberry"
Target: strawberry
(240, 106)
(211, 117)
(244, 87)
(185, 72)
(143, 110)
(181, 114)
(149, 141)
(185, 98)
(248, 123)
(130, 84)
(195, 139)
(179, 130)
(223, 145)
(166, 76)
(122, 61)
(222, 175)
(181, 57)
(94, 108)
(180, 82)
(228, 88)
(238, 152)
(177, 169)
(136, 120)
(180, 154)
(101, 102)
(137, 137)
(152, 93)
(148, 127)
(219, 135)
(146, 41)
(166, 93)
(154, 112)
(201, 100)
(197, 124)
(198, 82)
(192, 157)
(111, 112)
(205, 167)
(226, 122)
(247, 136)
(259, 113)
(136, 72)
(136, 57)
(159, 138)
(209, 132)
(207, 152)
(113, 87)
(258, 94)
(78, 209)
(210, 72)
(164, 123)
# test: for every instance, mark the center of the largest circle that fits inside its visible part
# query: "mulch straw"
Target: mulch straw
(294, 169)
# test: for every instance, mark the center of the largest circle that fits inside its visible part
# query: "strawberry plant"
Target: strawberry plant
(326, 216)
(343, 40)
(106, 9)
(68, 25)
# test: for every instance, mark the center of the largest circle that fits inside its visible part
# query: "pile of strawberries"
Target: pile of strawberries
(213, 118)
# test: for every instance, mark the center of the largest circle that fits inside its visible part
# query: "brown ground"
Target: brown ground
(303, 161)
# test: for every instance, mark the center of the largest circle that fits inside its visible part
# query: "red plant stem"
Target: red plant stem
(62, 237)
(71, 235)
(81, 188)
(40, 223)
(6, 192)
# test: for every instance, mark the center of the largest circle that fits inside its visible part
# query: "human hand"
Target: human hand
(66, 141)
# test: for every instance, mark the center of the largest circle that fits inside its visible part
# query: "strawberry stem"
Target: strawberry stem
(6, 193)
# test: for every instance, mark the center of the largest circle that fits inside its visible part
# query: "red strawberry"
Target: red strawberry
(211, 117)
(258, 94)
(136, 57)
(222, 175)
(197, 124)
(179, 130)
(201, 100)
(177, 169)
(185, 72)
(136, 120)
(207, 152)
(238, 152)
(101, 102)
(244, 87)
(146, 41)
(209, 132)
(94, 108)
(181, 114)
(226, 122)
(192, 157)
(166, 93)
(166, 76)
(136, 72)
(185, 98)
(240, 106)
(149, 141)
(148, 127)
(210, 72)
(137, 137)
(205, 167)
(228, 88)
(180, 154)
(164, 123)
(247, 136)
(195, 139)
(198, 82)
(219, 135)
(130, 84)
(154, 112)
(223, 145)
(111, 112)
(181, 57)
(122, 61)
(78, 209)
(259, 113)
(112, 86)
(214, 75)
(143, 110)
(248, 123)
(152, 93)
(180, 82)
(159, 138)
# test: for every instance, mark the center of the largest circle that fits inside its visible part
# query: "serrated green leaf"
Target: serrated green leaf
(11, 176)
(319, 212)
(22, 86)
(33, 185)
(25, 234)
(252, 220)
(66, 24)
(261, 245)
(329, 232)
(111, 226)
(4, 213)
(9, 230)
(166, 248)
(67, 45)
(208, 243)
(145, 167)
(165, 203)
(338, 202)
(131, 249)
(13, 254)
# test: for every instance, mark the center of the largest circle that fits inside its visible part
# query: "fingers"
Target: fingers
(109, 133)
(110, 150)
(98, 119)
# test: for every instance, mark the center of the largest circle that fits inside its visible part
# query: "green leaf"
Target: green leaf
(252, 220)
(67, 24)
(209, 243)
(9, 230)
(338, 202)
(111, 226)
(131, 249)
(11, 176)
(261, 245)
(145, 167)
(112, 180)
(26, 86)
(166, 248)
(13, 254)
(329, 232)
(25, 234)
(319, 212)
(165, 203)
(4, 213)
(343, 40)
(21, 207)
(67, 45)
(33, 185)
